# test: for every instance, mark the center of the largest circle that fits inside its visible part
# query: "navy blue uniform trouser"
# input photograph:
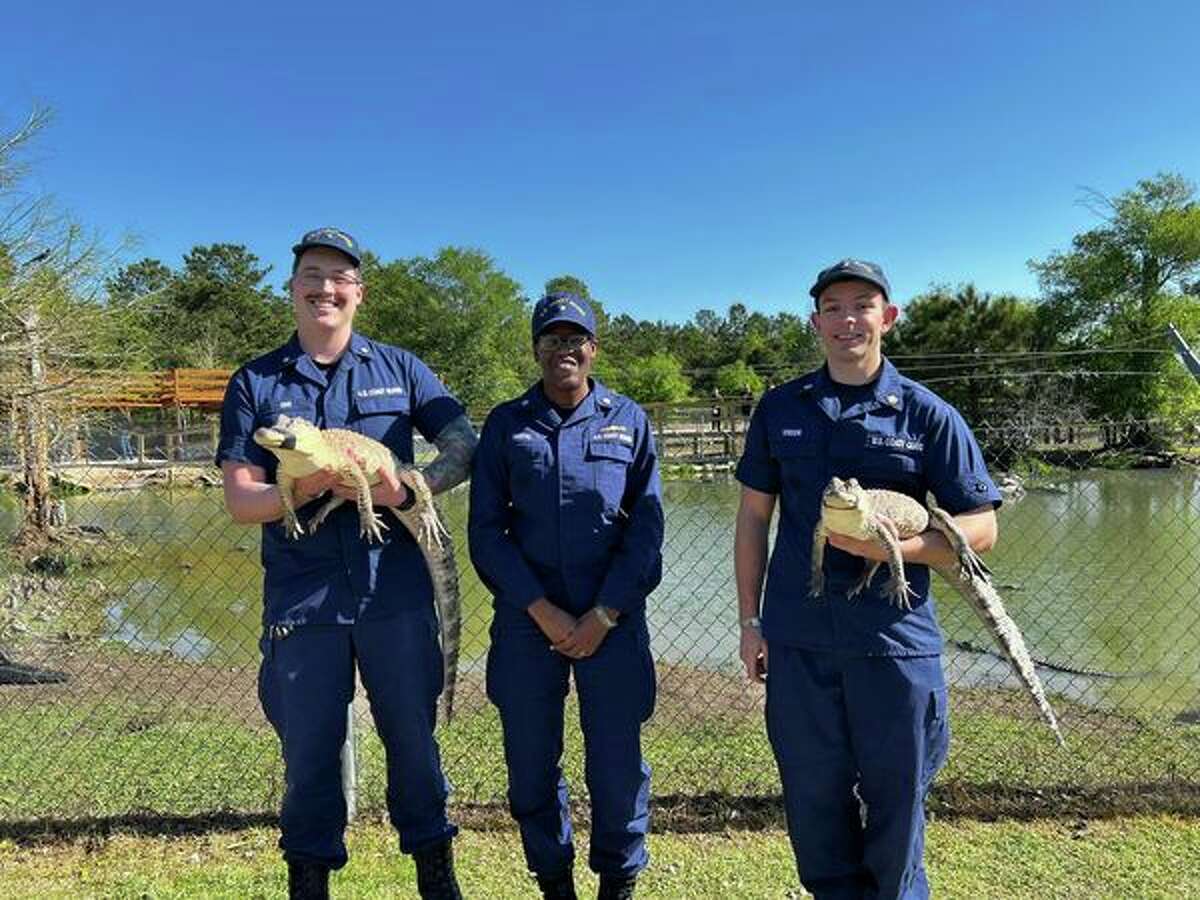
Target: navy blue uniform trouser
(305, 682)
(839, 725)
(528, 683)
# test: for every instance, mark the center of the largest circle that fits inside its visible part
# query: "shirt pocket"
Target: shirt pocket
(609, 462)
(386, 418)
(530, 463)
(800, 461)
(886, 468)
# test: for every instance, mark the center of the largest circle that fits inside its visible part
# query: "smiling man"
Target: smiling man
(856, 702)
(333, 602)
(566, 530)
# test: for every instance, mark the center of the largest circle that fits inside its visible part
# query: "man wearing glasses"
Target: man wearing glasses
(332, 601)
(566, 529)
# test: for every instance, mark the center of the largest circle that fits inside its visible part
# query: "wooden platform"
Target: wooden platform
(116, 389)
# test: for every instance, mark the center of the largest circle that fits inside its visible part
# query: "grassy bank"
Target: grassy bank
(198, 744)
(1142, 857)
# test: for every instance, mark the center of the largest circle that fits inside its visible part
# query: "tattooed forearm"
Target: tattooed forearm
(456, 442)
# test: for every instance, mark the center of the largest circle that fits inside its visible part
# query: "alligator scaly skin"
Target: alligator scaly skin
(847, 508)
(437, 546)
(303, 449)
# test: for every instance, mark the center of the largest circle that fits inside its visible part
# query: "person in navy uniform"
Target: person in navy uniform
(333, 602)
(856, 707)
(566, 530)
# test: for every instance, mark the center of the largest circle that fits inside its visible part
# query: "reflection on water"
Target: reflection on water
(187, 644)
(1101, 573)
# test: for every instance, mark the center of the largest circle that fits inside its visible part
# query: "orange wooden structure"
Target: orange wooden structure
(116, 389)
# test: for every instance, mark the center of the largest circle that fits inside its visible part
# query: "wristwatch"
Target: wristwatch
(752, 622)
(409, 501)
(605, 619)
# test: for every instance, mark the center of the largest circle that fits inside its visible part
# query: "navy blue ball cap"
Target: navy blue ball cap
(563, 306)
(852, 269)
(333, 238)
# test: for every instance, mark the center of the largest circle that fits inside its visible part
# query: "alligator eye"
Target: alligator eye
(289, 442)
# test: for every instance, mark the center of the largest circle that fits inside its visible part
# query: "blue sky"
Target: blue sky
(675, 156)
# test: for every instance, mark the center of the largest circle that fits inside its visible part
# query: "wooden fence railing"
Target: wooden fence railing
(115, 389)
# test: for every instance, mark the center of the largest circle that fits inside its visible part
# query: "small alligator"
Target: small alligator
(1065, 668)
(849, 509)
(13, 672)
(303, 449)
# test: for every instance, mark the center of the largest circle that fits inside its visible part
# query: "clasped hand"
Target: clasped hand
(577, 638)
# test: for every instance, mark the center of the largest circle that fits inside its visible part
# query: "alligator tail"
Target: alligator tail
(437, 548)
(972, 580)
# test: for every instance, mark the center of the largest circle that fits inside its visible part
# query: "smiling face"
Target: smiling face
(564, 370)
(326, 292)
(851, 319)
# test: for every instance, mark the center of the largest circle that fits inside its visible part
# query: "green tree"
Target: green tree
(50, 319)
(737, 378)
(461, 314)
(220, 312)
(137, 301)
(571, 284)
(214, 313)
(956, 341)
(1116, 285)
(1148, 247)
(656, 379)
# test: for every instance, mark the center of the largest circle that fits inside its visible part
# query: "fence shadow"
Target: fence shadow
(681, 813)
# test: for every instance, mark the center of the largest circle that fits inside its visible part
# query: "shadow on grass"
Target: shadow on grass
(148, 824)
(986, 802)
(681, 814)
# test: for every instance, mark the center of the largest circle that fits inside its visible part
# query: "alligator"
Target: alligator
(303, 449)
(13, 672)
(1065, 668)
(847, 508)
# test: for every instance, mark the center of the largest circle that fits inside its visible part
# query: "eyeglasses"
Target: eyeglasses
(552, 343)
(318, 279)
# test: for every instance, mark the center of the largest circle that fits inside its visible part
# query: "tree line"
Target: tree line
(1091, 345)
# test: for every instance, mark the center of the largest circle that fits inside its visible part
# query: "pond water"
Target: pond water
(1100, 570)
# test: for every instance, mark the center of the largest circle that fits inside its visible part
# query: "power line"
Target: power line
(1029, 354)
(1070, 373)
(947, 361)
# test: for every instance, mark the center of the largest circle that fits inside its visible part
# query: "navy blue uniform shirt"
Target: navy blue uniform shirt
(902, 437)
(569, 510)
(334, 576)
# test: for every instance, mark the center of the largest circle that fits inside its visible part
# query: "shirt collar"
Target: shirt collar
(823, 390)
(887, 386)
(358, 350)
(599, 399)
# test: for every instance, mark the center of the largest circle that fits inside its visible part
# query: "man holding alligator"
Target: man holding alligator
(856, 702)
(333, 601)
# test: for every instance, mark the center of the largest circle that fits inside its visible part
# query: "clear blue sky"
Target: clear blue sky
(674, 155)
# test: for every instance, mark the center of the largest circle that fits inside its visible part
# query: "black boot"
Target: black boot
(307, 881)
(557, 887)
(435, 873)
(616, 887)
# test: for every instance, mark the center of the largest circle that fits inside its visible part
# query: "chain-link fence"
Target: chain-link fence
(134, 631)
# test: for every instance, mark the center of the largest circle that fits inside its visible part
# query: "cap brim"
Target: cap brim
(561, 319)
(816, 289)
(297, 249)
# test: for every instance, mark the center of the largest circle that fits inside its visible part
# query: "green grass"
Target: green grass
(158, 755)
(1143, 857)
(109, 761)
